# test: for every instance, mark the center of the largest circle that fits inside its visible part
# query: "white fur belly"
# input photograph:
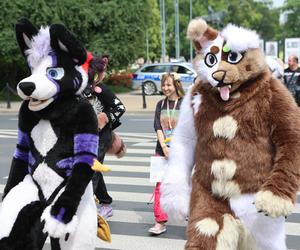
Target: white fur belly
(43, 137)
(47, 178)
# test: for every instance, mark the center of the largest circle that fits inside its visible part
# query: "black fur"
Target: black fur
(59, 33)
(27, 232)
(23, 26)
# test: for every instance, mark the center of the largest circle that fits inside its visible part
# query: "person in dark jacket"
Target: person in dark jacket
(292, 78)
(108, 108)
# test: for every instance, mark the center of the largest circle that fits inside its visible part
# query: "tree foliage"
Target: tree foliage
(256, 15)
(291, 28)
(113, 27)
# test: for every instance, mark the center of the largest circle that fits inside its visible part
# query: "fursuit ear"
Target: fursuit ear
(199, 32)
(25, 31)
(63, 39)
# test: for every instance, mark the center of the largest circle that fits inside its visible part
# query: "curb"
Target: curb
(133, 102)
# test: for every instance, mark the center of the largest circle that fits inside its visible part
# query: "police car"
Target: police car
(150, 76)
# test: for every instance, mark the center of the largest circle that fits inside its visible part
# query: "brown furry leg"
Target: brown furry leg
(212, 225)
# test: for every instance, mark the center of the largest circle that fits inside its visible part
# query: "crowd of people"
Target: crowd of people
(67, 125)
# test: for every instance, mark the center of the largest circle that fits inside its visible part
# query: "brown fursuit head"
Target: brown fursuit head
(248, 130)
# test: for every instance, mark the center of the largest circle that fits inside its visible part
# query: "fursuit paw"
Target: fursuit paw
(272, 205)
(55, 227)
(175, 198)
(103, 231)
(99, 167)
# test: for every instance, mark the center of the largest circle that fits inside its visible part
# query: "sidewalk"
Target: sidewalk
(133, 102)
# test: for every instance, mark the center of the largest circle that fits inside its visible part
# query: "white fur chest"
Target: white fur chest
(44, 140)
(43, 137)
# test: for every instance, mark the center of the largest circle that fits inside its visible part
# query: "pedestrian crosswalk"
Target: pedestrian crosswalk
(129, 186)
(128, 183)
(8, 133)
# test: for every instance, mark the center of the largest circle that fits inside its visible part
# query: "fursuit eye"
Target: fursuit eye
(234, 57)
(55, 73)
(210, 60)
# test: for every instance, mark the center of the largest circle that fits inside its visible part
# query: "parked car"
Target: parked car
(150, 75)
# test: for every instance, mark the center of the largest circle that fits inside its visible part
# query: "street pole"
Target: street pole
(191, 16)
(8, 105)
(163, 29)
(177, 29)
(147, 46)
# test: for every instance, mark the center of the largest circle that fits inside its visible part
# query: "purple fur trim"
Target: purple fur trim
(54, 64)
(66, 164)
(60, 214)
(23, 139)
(31, 159)
(87, 159)
(86, 143)
(54, 58)
(21, 155)
(76, 83)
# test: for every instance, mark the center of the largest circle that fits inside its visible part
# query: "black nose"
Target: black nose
(27, 87)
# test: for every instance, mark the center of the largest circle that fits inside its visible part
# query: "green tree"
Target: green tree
(116, 28)
(256, 15)
(291, 27)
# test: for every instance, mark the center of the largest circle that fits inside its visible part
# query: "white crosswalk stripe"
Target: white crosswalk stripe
(129, 186)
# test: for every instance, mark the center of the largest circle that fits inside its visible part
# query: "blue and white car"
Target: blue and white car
(150, 75)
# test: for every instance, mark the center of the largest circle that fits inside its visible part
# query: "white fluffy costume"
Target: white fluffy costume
(234, 163)
(49, 190)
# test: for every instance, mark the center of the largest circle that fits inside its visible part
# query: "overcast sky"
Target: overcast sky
(278, 3)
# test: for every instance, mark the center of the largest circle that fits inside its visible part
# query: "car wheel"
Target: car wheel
(150, 88)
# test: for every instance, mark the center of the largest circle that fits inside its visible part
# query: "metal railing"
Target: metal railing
(7, 91)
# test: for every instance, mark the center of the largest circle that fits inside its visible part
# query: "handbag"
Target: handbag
(158, 167)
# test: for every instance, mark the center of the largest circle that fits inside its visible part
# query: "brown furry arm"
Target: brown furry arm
(285, 117)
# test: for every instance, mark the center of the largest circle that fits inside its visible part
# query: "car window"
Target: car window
(156, 69)
(184, 70)
(174, 68)
(148, 69)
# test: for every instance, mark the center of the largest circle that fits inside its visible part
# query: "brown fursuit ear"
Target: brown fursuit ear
(199, 32)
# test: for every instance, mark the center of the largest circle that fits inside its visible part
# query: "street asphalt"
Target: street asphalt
(133, 102)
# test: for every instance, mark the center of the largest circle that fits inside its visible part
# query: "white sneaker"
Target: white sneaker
(158, 229)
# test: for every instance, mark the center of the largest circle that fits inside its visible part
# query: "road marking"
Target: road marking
(125, 168)
(127, 159)
(138, 135)
(145, 144)
(141, 120)
(292, 228)
(130, 196)
(130, 139)
(138, 217)
(128, 181)
(140, 151)
(8, 136)
(9, 131)
(141, 242)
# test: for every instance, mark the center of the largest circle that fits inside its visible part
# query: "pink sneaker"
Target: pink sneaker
(105, 210)
(158, 229)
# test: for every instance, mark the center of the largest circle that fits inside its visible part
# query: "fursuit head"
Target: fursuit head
(49, 190)
(234, 166)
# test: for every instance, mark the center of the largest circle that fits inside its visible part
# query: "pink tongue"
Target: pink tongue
(224, 93)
